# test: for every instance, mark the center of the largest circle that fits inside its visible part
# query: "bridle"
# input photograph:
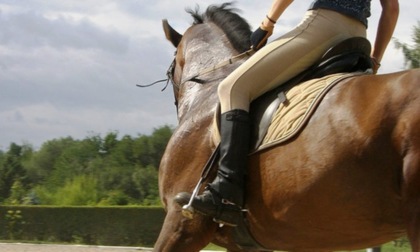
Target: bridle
(222, 64)
(169, 77)
(195, 78)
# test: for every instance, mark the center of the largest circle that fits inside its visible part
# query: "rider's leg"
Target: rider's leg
(224, 197)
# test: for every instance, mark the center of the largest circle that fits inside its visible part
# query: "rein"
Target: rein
(156, 82)
(213, 68)
(195, 78)
(169, 75)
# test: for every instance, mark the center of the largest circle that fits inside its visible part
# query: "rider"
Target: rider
(326, 23)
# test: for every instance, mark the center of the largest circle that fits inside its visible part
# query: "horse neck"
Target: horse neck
(205, 46)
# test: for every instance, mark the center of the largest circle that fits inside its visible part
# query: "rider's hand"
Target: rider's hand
(375, 65)
(259, 37)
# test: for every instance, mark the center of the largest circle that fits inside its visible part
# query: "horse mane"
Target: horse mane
(237, 29)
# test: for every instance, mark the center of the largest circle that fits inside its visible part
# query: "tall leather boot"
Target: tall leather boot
(223, 199)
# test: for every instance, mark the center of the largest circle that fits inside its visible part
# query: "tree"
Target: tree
(109, 142)
(11, 170)
(146, 181)
(411, 53)
(41, 164)
(17, 193)
(109, 170)
(78, 191)
(157, 144)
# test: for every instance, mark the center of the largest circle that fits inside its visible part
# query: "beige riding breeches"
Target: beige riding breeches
(287, 56)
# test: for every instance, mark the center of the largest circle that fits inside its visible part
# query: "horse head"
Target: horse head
(216, 35)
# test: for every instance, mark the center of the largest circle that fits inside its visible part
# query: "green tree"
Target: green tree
(78, 158)
(17, 193)
(109, 142)
(157, 144)
(11, 170)
(146, 181)
(141, 150)
(411, 53)
(95, 170)
(42, 162)
(77, 191)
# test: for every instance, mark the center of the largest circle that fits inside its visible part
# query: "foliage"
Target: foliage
(411, 53)
(129, 225)
(93, 171)
(79, 191)
(11, 170)
(14, 224)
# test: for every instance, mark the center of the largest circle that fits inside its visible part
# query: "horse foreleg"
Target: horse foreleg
(181, 234)
(411, 194)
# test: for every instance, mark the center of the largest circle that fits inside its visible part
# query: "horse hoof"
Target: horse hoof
(188, 212)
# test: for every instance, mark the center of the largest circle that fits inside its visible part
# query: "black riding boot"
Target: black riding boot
(223, 199)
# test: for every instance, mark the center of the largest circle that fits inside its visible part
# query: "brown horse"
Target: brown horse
(349, 180)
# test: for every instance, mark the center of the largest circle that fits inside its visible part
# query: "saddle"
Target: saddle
(351, 55)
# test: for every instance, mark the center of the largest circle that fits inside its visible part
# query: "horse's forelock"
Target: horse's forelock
(226, 18)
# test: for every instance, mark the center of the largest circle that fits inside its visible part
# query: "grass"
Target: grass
(214, 247)
(396, 246)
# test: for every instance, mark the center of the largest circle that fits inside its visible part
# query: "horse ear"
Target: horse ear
(171, 34)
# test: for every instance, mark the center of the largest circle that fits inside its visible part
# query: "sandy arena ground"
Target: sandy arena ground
(27, 247)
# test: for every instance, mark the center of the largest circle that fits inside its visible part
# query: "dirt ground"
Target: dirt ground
(27, 247)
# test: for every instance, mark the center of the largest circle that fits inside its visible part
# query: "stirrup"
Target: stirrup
(229, 213)
(188, 210)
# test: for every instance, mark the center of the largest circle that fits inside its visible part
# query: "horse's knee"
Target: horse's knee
(181, 234)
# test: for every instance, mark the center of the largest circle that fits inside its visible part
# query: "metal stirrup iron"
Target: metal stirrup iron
(188, 210)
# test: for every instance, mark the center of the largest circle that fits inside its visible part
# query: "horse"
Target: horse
(349, 180)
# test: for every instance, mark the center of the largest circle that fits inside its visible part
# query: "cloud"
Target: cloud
(29, 29)
(69, 74)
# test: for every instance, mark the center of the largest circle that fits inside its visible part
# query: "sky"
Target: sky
(70, 67)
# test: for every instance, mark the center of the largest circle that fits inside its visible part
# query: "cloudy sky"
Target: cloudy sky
(70, 67)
